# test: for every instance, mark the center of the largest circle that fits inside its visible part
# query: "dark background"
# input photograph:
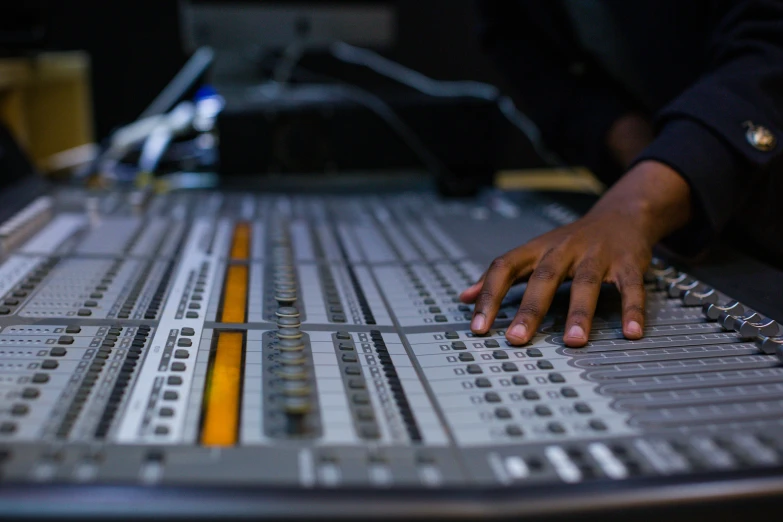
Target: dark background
(136, 48)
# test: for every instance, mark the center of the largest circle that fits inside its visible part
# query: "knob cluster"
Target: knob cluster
(731, 315)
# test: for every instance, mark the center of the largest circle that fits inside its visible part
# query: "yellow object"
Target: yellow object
(240, 247)
(221, 405)
(235, 294)
(577, 179)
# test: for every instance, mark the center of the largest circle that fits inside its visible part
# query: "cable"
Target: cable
(449, 89)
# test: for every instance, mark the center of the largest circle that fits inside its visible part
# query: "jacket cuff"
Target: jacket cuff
(713, 171)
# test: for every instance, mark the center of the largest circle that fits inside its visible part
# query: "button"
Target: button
(520, 380)
(430, 301)
(502, 413)
(483, 382)
(170, 395)
(582, 407)
(7, 428)
(369, 432)
(84, 312)
(161, 430)
(353, 370)
(466, 357)
(451, 335)
(533, 352)
(512, 430)
(20, 409)
(440, 319)
(338, 318)
(556, 377)
(544, 365)
(187, 331)
(11, 302)
(474, 369)
(58, 351)
(349, 358)
(166, 412)
(360, 398)
(343, 336)
(458, 345)
(194, 306)
(49, 364)
(30, 393)
(509, 367)
(531, 395)
(556, 427)
(356, 384)
(569, 393)
(184, 342)
(65, 339)
(91, 304)
(434, 310)
(598, 425)
(96, 295)
(73, 329)
(760, 137)
(177, 367)
(19, 293)
(499, 355)
(491, 397)
(191, 315)
(346, 346)
(364, 414)
(491, 343)
(174, 380)
(543, 411)
(181, 354)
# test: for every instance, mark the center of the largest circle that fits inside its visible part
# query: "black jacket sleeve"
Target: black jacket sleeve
(571, 99)
(702, 133)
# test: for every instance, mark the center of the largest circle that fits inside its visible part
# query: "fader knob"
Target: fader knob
(290, 345)
(700, 296)
(756, 326)
(287, 311)
(771, 345)
(678, 289)
(289, 333)
(714, 311)
(288, 322)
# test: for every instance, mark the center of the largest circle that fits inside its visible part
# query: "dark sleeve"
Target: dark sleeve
(571, 99)
(703, 132)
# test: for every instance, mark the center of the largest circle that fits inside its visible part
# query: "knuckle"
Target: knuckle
(588, 277)
(500, 264)
(544, 273)
(529, 310)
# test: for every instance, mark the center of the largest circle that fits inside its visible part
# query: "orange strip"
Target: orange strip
(240, 246)
(235, 294)
(221, 415)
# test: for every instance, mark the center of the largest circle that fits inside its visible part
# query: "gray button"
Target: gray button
(509, 367)
(513, 430)
(343, 336)
(356, 384)
(161, 430)
(188, 331)
(30, 393)
(499, 354)
(58, 351)
(458, 345)
(84, 312)
(452, 335)
(177, 367)
(569, 393)
(491, 397)
(520, 380)
(20, 409)
(360, 398)
(191, 315)
(502, 413)
(466, 357)
(483, 382)
(49, 364)
(545, 365)
(531, 395)
(181, 354)
(184, 342)
(349, 357)
(353, 370)
(491, 343)
(556, 377)
(555, 427)
(474, 369)
(65, 339)
(582, 407)
(40, 378)
(533, 352)
(170, 396)
(543, 411)
(174, 380)
(598, 425)
(166, 412)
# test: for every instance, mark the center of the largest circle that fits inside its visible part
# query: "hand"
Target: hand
(612, 243)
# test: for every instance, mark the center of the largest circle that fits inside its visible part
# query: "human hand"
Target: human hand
(612, 243)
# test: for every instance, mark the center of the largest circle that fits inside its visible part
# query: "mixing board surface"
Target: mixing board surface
(219, 339)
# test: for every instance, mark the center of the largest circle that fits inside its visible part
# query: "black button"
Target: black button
(356, 384)
(20, 409)
(545, 365)
(161, 430)
(474, 369)
(343, 336)
(73, 329)
(598, 425)
(49, 364)
(360, 398)
(533, 352)
(491, 343)
(19, 293)
(512, 430)
(166, 412)
(178, 354)
(191, 315)
(30, 393)
(502, 413)
(96, 295)
(499, 354)
(543, 411)
(58, 351)
(531, 395)
(582, 407)
(345, 346)
(466, 357)
(170, 395)
(520, 380)
(458, 345)
(556, 377)
(184, 342)
(194, 306)
(338, 318)
(84, 312)
(349, 358)
(91, 304)
(463, 308)
(451, 335)
(569, 393)
(11, 302)
(187, 331)
(65, 339)
(353, 370)
(440, 319)
(434, 310)
(509, 367)
(174, 380)
(556, 427)
(7, 427)
(429, 301)
(491, 397)
(483, 382)
(177, 367)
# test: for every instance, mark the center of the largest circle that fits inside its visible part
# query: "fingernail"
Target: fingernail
(576, 332)
(477, 325)
(634, 328)
(518, 332)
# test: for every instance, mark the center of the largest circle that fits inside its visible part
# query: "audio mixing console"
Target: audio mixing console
(218, 340)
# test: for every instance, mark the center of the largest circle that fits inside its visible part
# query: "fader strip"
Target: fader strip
(323, 337)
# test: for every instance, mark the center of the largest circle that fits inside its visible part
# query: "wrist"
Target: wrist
(653, 196)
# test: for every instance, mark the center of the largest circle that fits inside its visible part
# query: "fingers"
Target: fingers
(586, 285)
(541, 288)
(630, 282)
(470, 294)
(501, 275)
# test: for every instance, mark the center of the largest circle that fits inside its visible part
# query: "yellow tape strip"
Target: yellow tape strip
(221, 414)
(240, 246)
